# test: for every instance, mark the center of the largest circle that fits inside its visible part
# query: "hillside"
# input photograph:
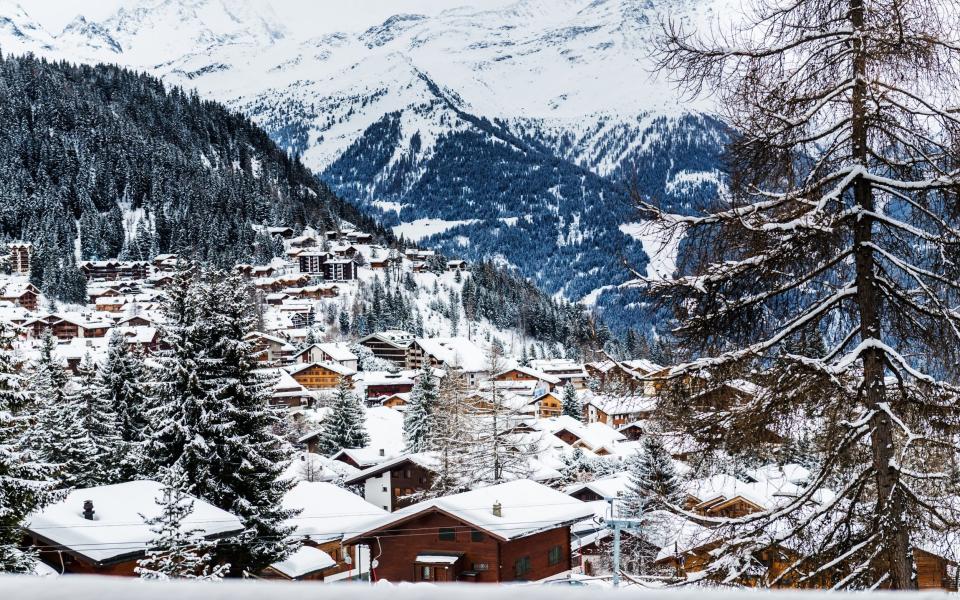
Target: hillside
(511, 128)
(100, 162)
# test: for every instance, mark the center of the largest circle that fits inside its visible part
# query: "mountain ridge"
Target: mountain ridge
(544, 77)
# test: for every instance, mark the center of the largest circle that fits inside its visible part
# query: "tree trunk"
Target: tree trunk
(890, 505)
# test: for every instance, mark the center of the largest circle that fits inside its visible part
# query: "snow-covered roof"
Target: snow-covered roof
(316, 467)
(456, 352)
(330, 366)
(526, 508)
(304, 561)
(265, 336)
(427, 460)
(621, 405)
(612, 486)
(532, 373)
(382, 378)
(336, 351)
(642, 366)
(118, 527)
(558, 366)
(594, 435)
(328, 512)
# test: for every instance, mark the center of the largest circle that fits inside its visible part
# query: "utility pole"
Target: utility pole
(618, 525)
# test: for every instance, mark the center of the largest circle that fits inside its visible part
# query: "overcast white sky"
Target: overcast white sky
(299, 15)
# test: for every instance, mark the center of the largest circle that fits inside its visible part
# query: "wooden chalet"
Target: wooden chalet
(525, 374)
(19, 257)
(102, 530)
(320, 376)
(377, 384)
(327, 352)
(112, 270)
(522, 535)
(389, 345)
(390, 484)
(23, 294)
(325, 511)
(547, 405)
(66, 327)
(269, 348)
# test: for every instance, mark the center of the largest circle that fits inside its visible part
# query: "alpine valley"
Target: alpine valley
(511, 130)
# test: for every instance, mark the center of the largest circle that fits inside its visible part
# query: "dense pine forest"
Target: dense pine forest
(134, 169)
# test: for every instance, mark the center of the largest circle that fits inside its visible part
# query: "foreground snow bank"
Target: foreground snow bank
(80, 587)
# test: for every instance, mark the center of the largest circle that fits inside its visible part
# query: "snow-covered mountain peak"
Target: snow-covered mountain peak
(19, 32)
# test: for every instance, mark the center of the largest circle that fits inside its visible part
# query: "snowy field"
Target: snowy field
(83, 587)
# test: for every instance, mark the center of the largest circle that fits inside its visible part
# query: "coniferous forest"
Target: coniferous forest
(120, 152)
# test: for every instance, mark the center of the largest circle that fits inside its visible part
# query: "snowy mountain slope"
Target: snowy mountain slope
(399, 107)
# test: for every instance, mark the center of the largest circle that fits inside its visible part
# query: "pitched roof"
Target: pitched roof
(306, 560)
(456, 352)
(532, 373)
(328, 512)
(526, 508)
(427, 460)
(118, 528)
(330, 366)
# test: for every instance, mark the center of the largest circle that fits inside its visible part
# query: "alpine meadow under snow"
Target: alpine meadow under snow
(567, 297)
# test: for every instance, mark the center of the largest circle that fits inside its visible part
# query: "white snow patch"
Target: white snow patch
(415, 231)
(660, 245)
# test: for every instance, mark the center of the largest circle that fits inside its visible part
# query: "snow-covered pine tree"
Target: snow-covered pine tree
(121, 384)
(57, 436)
(344, 426)
(99, 425)
(212, 418)
(26, 484)
(840, 221)
(654, 482)
(176, 552)
(418, 419)
(572, 407)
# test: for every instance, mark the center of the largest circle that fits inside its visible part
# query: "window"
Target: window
(481, 566)
(425, 573)
(555, 555)
(447, 534)
(384, 488)
(477, 536)
(521, 566)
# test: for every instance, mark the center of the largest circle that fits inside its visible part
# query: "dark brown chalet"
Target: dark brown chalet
(389, 345)
(390, 484)
(102, 530)
(515, 531)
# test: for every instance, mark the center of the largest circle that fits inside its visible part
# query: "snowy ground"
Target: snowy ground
(84, 587)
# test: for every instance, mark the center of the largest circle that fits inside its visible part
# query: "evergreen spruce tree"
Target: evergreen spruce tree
(176, 552)
(572, 407)
(99, 425)
(418, 419)
(212, 417)
(121, 385)
(58, 436)
(653, 480)
(26, 484)
(344, 425)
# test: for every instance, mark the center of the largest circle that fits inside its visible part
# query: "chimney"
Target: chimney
(88, 510)
(383, 452)
(497, 509)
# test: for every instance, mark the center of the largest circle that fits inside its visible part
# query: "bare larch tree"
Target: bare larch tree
(840, 224)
